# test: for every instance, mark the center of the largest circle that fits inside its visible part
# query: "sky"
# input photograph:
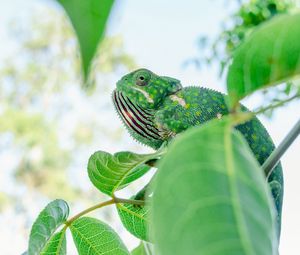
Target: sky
(161, 36)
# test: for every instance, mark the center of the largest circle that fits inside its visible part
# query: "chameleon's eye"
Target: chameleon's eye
(142, 78)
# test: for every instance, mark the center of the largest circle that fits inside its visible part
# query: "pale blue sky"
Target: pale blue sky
(161, 35)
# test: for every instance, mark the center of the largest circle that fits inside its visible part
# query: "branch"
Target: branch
(275, 105)
(275, 156)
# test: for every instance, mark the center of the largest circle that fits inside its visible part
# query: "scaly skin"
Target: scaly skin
(156, 108)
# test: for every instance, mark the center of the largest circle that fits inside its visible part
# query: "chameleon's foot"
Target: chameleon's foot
(276, 190)
(151, 162)
(141, 195)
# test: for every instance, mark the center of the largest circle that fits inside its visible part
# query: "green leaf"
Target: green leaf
(134, 219)
(110, 173)
(56, 245)
(269, 56)
(210, 196)
(50, 218)
(139, 250)
(91, 236)
(88, 18)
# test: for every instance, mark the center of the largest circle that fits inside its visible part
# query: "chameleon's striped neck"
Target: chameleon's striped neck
(137, 119)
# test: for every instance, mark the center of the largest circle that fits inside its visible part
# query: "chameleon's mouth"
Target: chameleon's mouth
(136, 118)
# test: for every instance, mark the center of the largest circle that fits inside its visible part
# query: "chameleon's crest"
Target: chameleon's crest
(137, 119)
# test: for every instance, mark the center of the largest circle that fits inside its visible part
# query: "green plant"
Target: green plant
(225, 178)
(249, 14)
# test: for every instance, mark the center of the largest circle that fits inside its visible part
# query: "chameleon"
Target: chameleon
(156, 108)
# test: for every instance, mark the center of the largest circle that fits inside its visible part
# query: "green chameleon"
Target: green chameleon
(155, 108)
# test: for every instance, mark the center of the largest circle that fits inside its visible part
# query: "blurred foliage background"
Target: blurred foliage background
(218, 50)
(236, 28)
(48, 121)
(32, 108)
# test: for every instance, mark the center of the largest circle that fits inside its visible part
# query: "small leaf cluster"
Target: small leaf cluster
(108, 173)
(237, 28)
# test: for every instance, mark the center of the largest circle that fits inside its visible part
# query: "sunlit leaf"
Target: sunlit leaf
(88, 18)
(110, 173)
(50, 218)
(134, 219)
(269, 56)
(210, 196)
(56, 245)
(91, 236)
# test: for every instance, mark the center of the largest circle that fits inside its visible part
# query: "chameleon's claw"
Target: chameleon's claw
(141, 195)
(151, 162)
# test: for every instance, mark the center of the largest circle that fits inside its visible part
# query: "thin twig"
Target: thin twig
(273, 106)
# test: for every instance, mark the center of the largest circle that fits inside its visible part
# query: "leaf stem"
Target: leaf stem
(114, 200)
(275, 156)
(92, 208)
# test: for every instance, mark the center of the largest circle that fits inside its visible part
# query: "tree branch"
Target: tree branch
(275, 156)
(275, 105)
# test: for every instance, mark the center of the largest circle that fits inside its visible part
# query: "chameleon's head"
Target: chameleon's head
(146, 89)
(137, 96)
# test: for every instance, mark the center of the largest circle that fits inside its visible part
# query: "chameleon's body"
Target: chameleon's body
(156, 108)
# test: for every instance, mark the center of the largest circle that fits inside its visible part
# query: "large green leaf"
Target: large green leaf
(88, 18)
(134, 219)
(110, 173)
(56, 245)
(269, 56)
(210, 196)
(91, 236)
(50, 218)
